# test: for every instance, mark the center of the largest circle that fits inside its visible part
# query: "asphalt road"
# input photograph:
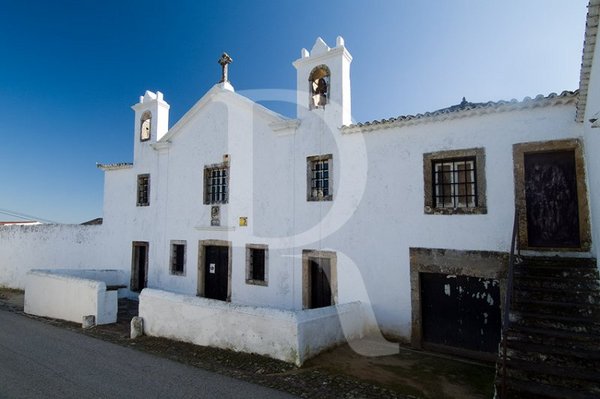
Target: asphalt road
(38, 360)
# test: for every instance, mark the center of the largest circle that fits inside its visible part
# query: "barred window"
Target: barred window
(455, 183)
(177, 257)
(143, 190)
(216, 184)
(256, 264)
(319, 178)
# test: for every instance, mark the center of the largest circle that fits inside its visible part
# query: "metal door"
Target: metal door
(460, 311)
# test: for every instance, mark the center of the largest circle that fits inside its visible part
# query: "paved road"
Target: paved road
(38, 360)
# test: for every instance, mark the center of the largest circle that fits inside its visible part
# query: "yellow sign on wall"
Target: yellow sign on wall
(243, 221)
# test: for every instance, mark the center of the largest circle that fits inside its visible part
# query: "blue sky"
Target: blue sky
(70, 70)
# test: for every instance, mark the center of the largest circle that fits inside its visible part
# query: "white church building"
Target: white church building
(244, 229)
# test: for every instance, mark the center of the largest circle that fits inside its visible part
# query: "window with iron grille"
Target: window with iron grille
(455, 182)
(320, 180)
(178, 257)
(256, 264)
(143, 190)
(216, 184)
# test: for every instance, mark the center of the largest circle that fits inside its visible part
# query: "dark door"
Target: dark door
(320, 290)
(139, 266)
(551, 200)
(460, 311)
(216, 271)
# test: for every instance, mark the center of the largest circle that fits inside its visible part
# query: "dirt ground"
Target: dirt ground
(338, 373)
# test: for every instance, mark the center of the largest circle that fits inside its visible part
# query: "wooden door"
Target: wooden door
(551, 199)
(216, 272)
(320, 288)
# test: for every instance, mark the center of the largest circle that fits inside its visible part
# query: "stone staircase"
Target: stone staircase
(553, 343)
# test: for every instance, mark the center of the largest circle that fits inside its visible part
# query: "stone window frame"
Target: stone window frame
(453, 155)
(140, 188)
(249, 270)
(172, 257)
(307, 254)
(146, 116)
(479, 264)
(207, 170)
(519, 151)
(202, 244)
(310, 160)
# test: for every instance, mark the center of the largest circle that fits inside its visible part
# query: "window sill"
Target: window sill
(257, 282)
(455, 211)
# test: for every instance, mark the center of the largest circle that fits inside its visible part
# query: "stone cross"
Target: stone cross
(225, 60)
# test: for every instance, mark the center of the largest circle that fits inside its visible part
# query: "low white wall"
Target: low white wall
(110, 277)
(320, 329)
(52, 246)
(291, 336)
(60, 296)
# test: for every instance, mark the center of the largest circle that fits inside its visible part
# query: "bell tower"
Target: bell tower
(151, 121)
(323, 83)
(151, 117)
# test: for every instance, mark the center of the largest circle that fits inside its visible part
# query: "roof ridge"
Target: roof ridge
(462, 109)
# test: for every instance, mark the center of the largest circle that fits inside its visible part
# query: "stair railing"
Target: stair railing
(512, 259)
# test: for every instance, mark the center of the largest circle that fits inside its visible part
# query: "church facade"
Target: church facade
(411, 216)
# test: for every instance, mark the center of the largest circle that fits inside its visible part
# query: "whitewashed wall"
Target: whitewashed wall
(44, 246)
(291, 336)
(57, 295)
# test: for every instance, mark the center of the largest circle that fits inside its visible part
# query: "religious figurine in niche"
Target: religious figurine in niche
(319, 86)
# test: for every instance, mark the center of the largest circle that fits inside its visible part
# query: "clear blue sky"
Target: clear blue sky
(70, 70)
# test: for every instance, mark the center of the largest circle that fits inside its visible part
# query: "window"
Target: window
(216, 184)
(256, 264)
(178, 257)
(455, 182)
(320, 181)
(145, 126)
(143, 190)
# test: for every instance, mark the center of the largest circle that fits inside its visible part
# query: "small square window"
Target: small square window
(178, 257)
(256, 264)
(143, 190)
(455, 182)
(319, 178)
(216, 184)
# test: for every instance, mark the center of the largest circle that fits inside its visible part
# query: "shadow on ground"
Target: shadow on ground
(338, 373)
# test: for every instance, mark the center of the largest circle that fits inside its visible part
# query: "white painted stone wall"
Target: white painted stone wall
(291, 336)
(46, 246)
(61, 295)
